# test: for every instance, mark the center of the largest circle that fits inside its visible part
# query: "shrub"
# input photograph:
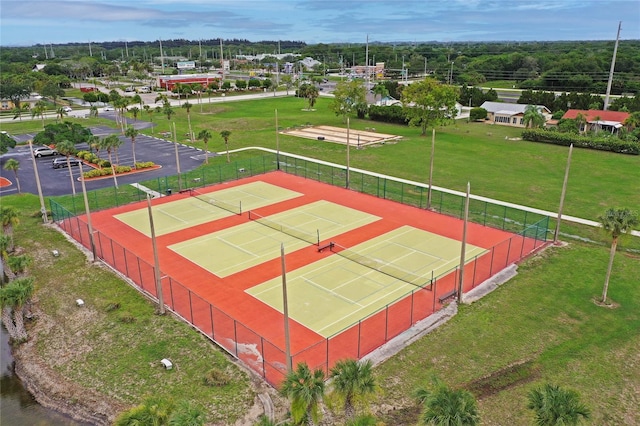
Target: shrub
(610, 143)
(387, 114)
(145, 165)
(103, 163)
(478, 114)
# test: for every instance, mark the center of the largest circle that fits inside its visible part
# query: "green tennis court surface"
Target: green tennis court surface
(334, 293)
(192, 211)
(240, 247)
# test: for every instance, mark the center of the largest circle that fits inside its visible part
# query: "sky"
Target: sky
(29, 22)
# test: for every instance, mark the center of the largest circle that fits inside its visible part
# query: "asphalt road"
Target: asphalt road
(57, 181)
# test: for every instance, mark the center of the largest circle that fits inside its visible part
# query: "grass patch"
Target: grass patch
(114, 343)
(565, 338)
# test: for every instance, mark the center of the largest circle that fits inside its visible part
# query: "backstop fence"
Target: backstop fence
(263, 356)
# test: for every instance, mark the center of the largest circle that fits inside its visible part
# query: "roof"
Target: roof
(598, 115)
(509, 109)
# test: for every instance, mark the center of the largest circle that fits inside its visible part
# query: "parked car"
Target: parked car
(67, 109)
(108, 108)
(43, 151)
(62, 162)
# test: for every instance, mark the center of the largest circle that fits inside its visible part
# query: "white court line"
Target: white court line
(171, 216)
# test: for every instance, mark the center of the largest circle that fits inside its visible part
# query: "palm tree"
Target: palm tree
(168, 111)
(553, 405)
(135, 111)
(60, 113)
(352, 380)
(364, 420)
(188, 106)
(444, 406)
(615, 222)
(205, 135)
(225, 135)
(13, 165)
(15, 296)
(5, 270)
(19, 264)
(633, 121)
(19, 110)
(161, 98)
(132, 133)
(38, 110)
(9, 218)
(93, 111)
(94, 143)
(152, 411)
(533, 117)
(380, 89)
(305, 389)
(111, 143)
(581, 121)
(67, 148)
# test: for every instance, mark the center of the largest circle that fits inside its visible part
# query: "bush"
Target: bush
(387, 114)
(610, 143)
(145, 165)
(478, 114)
(103, 163)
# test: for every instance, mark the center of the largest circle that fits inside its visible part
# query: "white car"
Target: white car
(67, 109)
(44, 151)
(108, 108)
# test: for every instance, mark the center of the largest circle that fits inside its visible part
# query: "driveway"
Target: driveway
(57, 182)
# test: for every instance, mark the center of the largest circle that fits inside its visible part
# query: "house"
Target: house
(38, 67)
(510, 114)
(598, 120)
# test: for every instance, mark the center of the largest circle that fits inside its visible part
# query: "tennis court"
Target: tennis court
(203, 207)
(333, 293)
(360, 269)
(243, 246)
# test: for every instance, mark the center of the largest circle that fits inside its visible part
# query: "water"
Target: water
(17, 406)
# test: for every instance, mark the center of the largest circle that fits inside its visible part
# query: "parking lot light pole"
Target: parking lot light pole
(88, 213)
(43, 209)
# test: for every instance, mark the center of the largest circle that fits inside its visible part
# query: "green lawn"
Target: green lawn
(562, 337)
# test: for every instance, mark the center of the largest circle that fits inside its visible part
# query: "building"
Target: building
(598, 120)
(510, 114)
(168, 82)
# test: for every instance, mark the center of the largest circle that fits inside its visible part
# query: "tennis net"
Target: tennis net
(286, 229)
(381, 266)
(217, 203)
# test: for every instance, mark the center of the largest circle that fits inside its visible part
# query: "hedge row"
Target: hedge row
(612, 144)
(388, 114)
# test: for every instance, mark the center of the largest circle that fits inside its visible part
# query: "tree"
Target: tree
(352, 380)
(111, 143)
(428, 103)
(477, 114)
(93, 111)
(168, 111)
(19, 264)
(135, 111)
(188, 107)
(225, 135)
(287, 81)
(13, 297)
(52, 90)
(13, 165)
(533, 117)
(132, 133)
(444, 406)
(205, 135)
(615, 222)
(56, 132)
(6, 142)
(380, 89)
(161, 98)
(310, 93)
(153, 411)
(136, 99)
(5, 270)
(18, 111)
(553, 405)
(38, 110)
(348, 96)
(67, 148)
(9, 218)
(305, 390)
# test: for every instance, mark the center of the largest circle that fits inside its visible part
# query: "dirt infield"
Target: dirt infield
(339, 135)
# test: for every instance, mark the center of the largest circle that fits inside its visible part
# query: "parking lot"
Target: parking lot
(57, 182)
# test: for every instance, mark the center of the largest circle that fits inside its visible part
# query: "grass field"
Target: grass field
(562, 336)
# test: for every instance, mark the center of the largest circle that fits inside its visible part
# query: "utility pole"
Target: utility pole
(221, 61)
(366, 61)
(613, 65)
(161, 57)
